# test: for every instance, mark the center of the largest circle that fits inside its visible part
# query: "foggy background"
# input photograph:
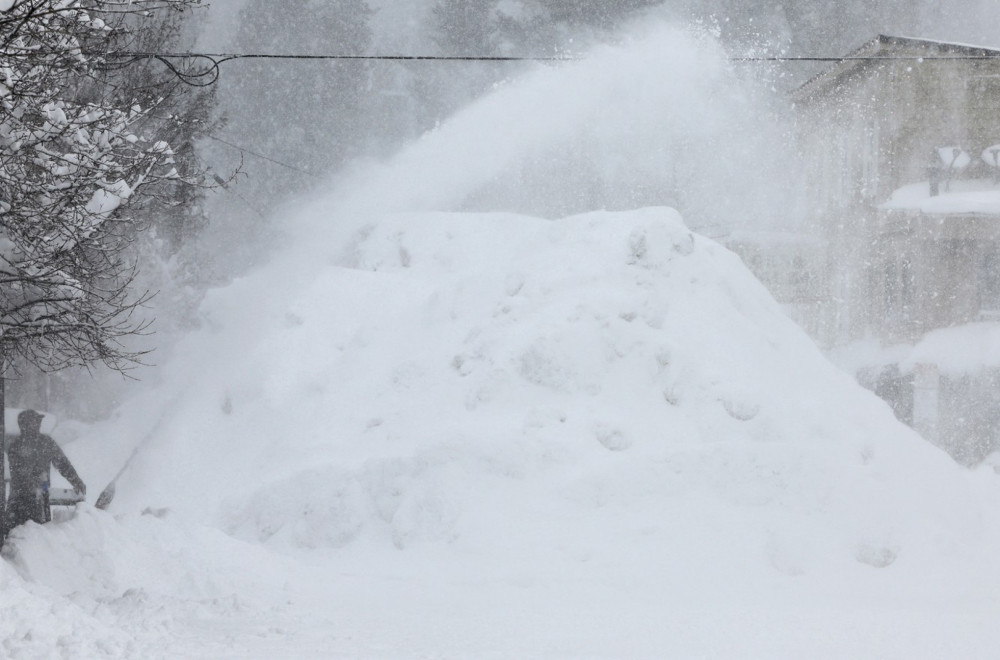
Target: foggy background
(369, 419)
(282, 129)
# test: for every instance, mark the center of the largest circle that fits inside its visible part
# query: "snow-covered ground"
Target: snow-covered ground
(429, 434)
(503, 436)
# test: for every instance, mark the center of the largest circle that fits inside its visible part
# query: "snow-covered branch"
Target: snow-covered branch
(78, 151)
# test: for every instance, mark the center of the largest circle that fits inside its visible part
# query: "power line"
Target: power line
(244, 150)
(221, 58)
(208, 72)
(225, 57)
(866, 58)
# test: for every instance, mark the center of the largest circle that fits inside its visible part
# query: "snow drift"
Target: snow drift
(472, 409)
(467, 379)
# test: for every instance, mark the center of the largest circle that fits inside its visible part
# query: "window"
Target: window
(989, 282)
(890, 291)
(906, 288)
(800, 280)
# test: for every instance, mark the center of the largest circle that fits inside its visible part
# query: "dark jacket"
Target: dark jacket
(30, 460)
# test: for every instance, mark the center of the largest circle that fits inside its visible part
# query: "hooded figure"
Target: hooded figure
(31, 455)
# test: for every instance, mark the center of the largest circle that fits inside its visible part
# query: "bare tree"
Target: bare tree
(79, 151)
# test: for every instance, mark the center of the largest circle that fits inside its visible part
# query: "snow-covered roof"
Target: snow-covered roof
(959, 350)
(949, 47)
(962, 197)
(885, 46)
(955, 351)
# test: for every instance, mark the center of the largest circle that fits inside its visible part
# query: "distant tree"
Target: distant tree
(183, 116)
(597, 14)
(460, 29)
(547, 26)
(814, 28)
(466, 28)
(305, 114)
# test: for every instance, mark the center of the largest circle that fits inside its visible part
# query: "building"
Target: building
(792, 267)
(900, 142)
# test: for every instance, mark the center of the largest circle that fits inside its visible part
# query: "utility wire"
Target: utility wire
(202, 69)
(867, 58)
(244, 150)
(210, 72)
(206, 70)
(226, 57)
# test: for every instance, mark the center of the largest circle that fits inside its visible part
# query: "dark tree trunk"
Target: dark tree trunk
(3, 451)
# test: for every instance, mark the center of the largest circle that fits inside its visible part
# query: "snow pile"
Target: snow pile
(470, 380)
(606, 409)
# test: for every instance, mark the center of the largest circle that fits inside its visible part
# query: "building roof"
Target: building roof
(888, 48)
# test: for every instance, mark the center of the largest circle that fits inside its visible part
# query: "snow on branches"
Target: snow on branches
(76, 151)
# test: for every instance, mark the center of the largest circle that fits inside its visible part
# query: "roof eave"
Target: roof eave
(880, 47)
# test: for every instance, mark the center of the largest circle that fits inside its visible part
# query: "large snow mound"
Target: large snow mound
(505, 384)
(502, 436)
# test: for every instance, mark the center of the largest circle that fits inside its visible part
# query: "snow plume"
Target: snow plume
(659, 119)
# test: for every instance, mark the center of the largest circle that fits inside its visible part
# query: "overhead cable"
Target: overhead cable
(208, 73)
(202, 69)
(244, 150)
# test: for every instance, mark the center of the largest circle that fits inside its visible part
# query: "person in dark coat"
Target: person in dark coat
(31, 455)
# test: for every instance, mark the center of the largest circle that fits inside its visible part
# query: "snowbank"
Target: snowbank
(470, 380)
(605, 408)
(134, 586)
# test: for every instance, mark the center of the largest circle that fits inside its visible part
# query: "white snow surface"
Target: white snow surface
(429, 434)
(962, 196)
(501, 436)
(955, 351)
(959, 350)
